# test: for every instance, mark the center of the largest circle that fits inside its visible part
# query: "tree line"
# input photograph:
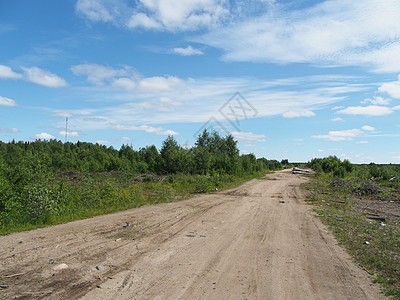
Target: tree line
(210, 154)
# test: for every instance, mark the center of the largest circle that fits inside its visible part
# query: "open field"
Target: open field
(257, 241)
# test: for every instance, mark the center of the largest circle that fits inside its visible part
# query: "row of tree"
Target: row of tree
(211, 153)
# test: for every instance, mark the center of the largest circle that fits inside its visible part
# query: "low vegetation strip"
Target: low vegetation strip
(364, 215)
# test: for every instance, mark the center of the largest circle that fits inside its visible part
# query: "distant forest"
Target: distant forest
(211, 153)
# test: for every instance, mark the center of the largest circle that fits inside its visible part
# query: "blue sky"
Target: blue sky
(288, 79)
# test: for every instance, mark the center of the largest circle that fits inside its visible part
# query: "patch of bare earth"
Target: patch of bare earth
(258, 241)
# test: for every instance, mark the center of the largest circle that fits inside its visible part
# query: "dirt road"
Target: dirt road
(258, 241)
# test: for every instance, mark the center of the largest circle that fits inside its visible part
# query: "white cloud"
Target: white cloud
(368, 128)
(126, 139)
(249, 136)
(342, 135)
(372, 110)
(4, 101)
(146, 128)
(8, 130)
(8, 73)
(97, 73)
(362, 142)
(70, 133)
(329, 33)
(297, 114)
(43, 77)
(178, 15)
(338, 119)
(62, 114)
(392, 88)
(188, 51)
(44, 136)
(376, 101)
(142, 20)
(168, 99)
(125, 83)
(158, 83)
(94, 10)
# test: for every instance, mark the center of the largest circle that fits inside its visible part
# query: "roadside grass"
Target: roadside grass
(84, 195)
(371, 236)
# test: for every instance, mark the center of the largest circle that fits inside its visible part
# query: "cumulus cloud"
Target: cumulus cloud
(146, 128)
(249, 136)
(97, 73)
(392, 88)
(43, 136)
(297, 114)
(43, 77)
(158, 83)
(188, 51)
(8, 73)
(372, 110)
(4, 101)
(376, 101)
(177, 15)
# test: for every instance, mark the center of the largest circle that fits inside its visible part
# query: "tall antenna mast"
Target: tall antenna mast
(66, 129)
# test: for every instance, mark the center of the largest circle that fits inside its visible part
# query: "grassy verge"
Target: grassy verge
(364, 217)
(71, 197)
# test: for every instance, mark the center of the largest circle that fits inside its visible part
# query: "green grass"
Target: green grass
(373, 245)
(86, 195)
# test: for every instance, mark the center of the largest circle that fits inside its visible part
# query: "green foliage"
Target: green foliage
(45, 182)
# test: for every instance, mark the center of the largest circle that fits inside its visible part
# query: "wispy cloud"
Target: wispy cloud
(4, 101)
(249, 136)
(97, 73)
(342, 135)
(146, 128)
(330, 33)
(368, 128)
(8, 130)
(297, 114)
(345, 135)
(172, 15)
(94, 10)
(69, 133)
(126, 139)
(372, 110)
(188, 51)
(338, 119)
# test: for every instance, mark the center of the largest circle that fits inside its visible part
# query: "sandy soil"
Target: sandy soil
(258, 241)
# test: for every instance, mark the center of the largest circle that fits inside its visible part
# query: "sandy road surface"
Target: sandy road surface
(258, 241)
